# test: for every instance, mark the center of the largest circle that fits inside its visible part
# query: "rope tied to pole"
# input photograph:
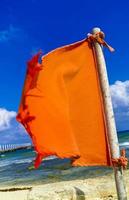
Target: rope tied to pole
(99, 37)
(122, 161)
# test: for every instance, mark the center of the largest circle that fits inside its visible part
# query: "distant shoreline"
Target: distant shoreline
(5, 148)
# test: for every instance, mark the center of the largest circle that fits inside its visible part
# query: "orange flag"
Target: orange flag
(62, 109)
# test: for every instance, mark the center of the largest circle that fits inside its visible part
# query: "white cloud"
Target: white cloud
(11, 32)
(120, 94)
(5, 118)
(11, 131)
(120, 99)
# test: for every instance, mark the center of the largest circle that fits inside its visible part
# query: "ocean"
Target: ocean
(16, 167)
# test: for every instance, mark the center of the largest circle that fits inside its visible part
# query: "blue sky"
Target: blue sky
(29, 25)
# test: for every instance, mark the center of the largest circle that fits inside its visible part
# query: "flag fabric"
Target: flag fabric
(62, 108)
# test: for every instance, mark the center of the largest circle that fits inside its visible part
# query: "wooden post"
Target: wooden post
(110, 121)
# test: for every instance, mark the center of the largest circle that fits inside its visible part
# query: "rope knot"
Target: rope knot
(122, 161)
(99, 37)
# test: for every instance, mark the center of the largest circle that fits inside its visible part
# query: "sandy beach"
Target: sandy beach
(56, 179)
(94, 188)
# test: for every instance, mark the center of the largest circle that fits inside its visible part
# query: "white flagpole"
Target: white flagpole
(110, 121)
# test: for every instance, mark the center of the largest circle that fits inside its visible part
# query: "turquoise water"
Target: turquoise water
(16, 168)
(123, 138)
